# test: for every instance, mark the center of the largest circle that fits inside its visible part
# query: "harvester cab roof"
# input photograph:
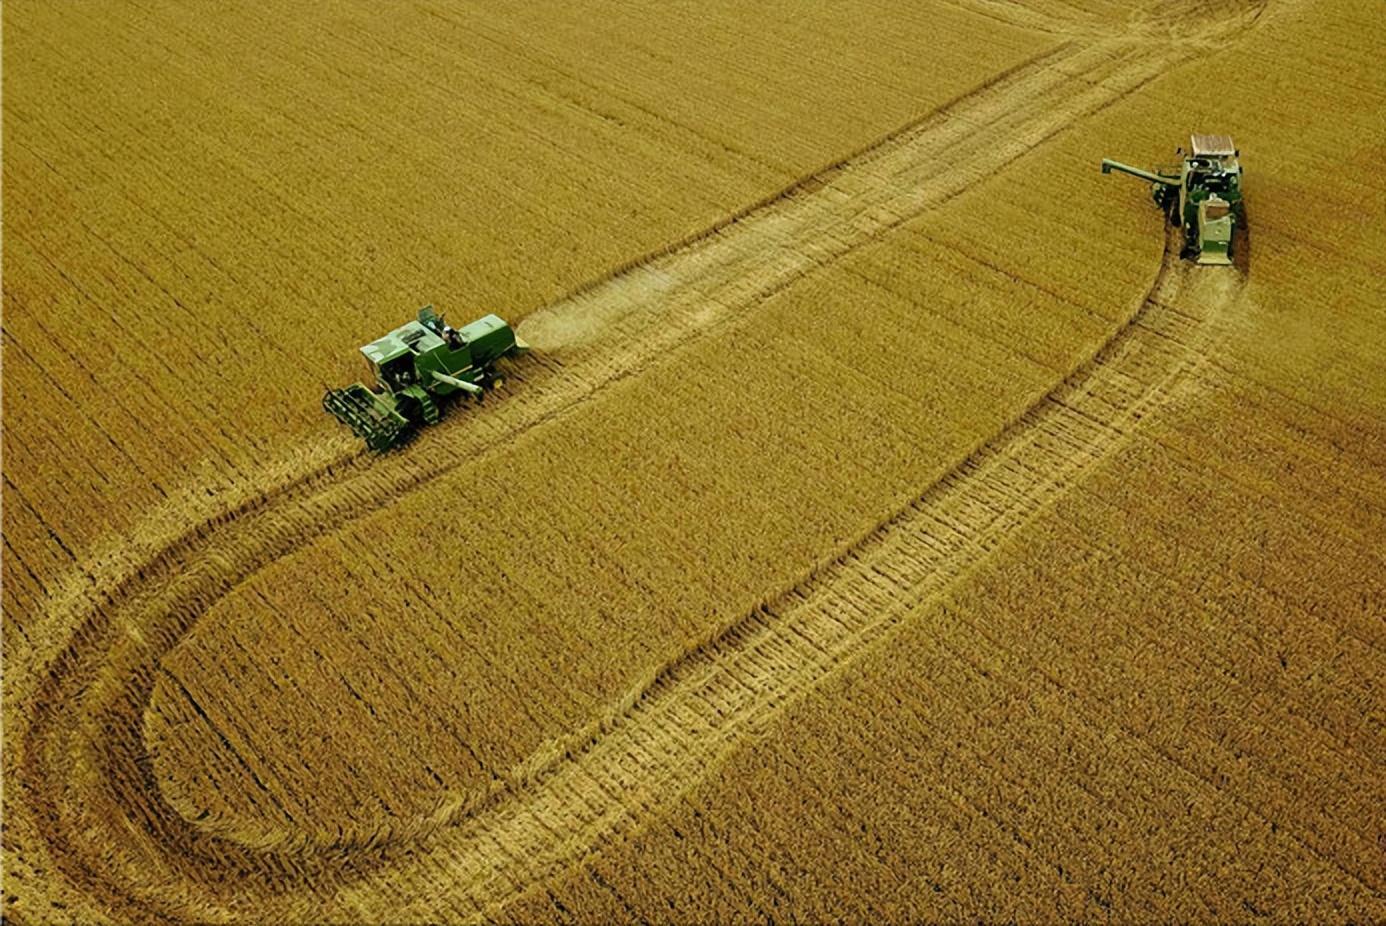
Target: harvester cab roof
(1212, 146)
(1213, 154)
(410, 338)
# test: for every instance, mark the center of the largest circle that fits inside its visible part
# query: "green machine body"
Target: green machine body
(1202, 195)
(417, 369)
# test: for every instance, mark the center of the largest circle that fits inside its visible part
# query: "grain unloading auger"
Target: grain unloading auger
(417, 368)
(1203, 195)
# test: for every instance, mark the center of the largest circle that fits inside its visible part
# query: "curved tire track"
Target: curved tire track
(707, 702)
(88, 786)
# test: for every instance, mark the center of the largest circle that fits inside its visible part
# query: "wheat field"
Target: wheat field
(887, 526)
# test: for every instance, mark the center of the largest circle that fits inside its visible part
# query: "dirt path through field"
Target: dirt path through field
(87, 794)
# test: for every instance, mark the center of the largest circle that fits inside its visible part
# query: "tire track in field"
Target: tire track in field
(711, 699)
(1203, 23)
(88, 785)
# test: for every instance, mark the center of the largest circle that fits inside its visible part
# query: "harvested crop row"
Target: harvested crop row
(1170, 799)
(214, 564)
(594, 581)
(112, 690)
(519, 648)
(932, 779)
(1134, 707)
(228, 217)
(1160, 698)
(727, 691)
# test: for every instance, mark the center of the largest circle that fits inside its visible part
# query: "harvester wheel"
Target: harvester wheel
(1192, 245)
(408, 406)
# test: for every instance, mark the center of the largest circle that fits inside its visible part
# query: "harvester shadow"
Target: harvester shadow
(1241, 246)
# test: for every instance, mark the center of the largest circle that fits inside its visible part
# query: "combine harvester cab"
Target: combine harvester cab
(418, 367)
(1203, 195)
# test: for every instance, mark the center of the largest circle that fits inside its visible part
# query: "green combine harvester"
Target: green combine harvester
(417, 368)
(1203, 195)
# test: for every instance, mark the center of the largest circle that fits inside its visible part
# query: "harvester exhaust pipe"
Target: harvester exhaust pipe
(462, 384)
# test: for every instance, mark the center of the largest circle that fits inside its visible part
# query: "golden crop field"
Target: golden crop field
(887, 525)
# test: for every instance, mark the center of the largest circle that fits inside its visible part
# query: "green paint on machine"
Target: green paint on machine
(1203, 195)
(418, 367)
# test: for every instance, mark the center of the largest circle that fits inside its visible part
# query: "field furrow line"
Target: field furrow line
(659, 304)
(82, 759)
(730, 689)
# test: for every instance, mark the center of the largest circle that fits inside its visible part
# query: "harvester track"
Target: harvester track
(702, 705)
(88, 795)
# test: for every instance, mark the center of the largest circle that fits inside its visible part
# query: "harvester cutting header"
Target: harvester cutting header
(417, 368)
(1203, 195)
